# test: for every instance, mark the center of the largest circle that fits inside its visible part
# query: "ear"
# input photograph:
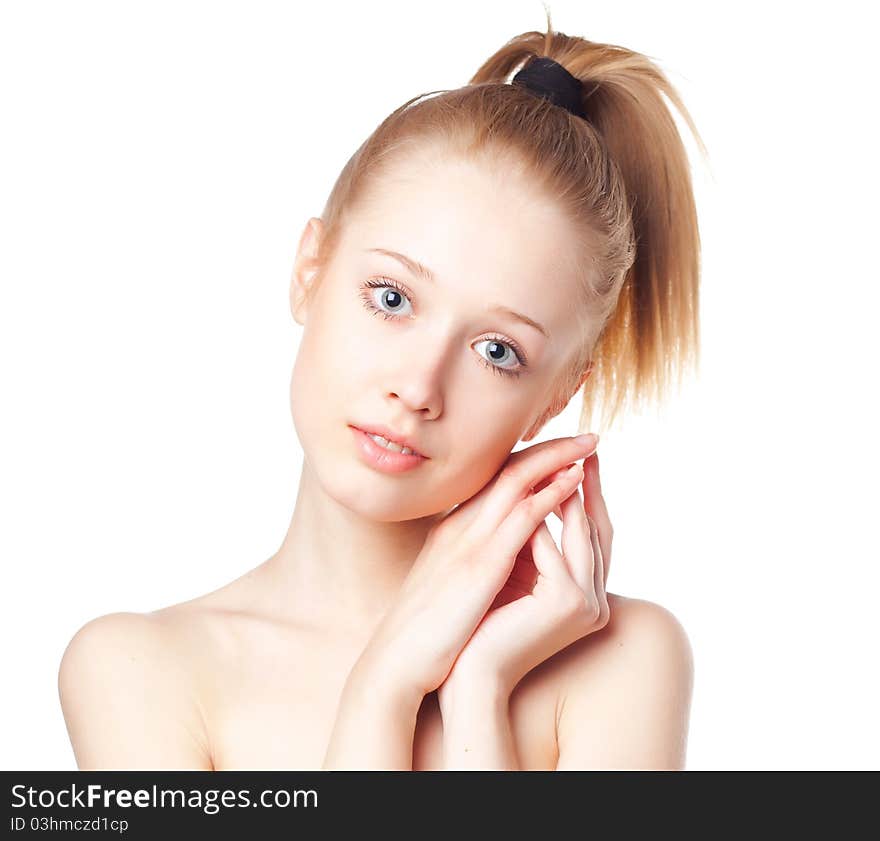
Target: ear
(555, 408)
(305, 267)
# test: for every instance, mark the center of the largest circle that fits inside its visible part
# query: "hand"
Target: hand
(596, 510)
(464, 563)
(551, 598)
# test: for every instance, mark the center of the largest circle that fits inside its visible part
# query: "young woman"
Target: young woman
(484, 255)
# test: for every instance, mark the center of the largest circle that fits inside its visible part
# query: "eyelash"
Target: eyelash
(386, 282)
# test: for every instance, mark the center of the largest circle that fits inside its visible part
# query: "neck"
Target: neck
(337, 570)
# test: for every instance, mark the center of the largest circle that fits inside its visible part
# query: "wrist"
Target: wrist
(374, 683)
(375, 724)
(466, 691)
(476, 729)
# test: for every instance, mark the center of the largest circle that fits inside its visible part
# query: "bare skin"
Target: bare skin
(270, 670)
(251, 692)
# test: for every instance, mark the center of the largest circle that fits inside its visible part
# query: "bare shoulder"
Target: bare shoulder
(625, 691)
(129, 673)
(635, 627)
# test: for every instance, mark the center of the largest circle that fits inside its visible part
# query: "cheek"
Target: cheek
(488, 447)
(303, 405)
(332, 349)
(330, 370)
(347, 340)
(319, 376)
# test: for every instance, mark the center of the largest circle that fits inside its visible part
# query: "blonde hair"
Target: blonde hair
(621, 176)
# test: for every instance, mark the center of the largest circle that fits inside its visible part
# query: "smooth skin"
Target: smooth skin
(466, 561)
(392, 629)
(622, 695)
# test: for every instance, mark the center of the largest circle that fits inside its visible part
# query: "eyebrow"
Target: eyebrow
(414, 267)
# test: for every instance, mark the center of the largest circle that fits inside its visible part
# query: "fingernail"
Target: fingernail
(588, 440)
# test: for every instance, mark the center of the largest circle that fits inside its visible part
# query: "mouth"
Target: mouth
(389, 440)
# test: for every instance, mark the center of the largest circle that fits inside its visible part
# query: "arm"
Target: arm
(630, 709)
(375, 723)
(476, 727)
(464, 562)
(127, 701)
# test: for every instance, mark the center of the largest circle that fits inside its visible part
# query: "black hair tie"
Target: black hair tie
(549, 79)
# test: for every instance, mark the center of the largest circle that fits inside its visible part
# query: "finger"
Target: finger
(524, 572)
(523, 471)
(577, 545)
(594, 504)
(557, 510)
(601, 571)
(546, 555)
(598, 580)
(510, 536)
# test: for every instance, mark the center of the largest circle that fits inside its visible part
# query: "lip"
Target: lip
(379, 458)
(389, 435)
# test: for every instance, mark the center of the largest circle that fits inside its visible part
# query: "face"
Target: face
(432, 359)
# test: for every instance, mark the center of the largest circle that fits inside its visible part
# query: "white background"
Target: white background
(158, 162)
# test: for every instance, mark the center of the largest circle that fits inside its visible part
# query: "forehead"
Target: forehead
(469, 222)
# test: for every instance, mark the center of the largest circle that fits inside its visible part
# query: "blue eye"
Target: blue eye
(399, 295)
(394, 299)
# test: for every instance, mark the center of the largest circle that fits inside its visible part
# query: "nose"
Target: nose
(418, 387)
(418, 401)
